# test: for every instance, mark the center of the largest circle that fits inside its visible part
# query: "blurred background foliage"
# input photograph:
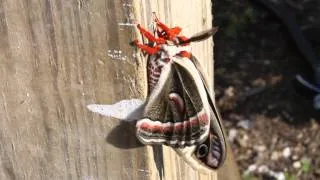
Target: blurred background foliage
(272, 125)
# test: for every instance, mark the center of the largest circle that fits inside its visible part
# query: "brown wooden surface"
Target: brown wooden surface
(56, 57)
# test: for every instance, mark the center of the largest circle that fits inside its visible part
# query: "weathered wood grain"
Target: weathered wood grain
(56, 57)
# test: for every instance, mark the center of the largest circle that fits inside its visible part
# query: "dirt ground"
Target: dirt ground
(273, 127)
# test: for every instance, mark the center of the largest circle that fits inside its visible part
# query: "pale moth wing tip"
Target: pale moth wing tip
(100, 109)
(90, 107)
(127, 110)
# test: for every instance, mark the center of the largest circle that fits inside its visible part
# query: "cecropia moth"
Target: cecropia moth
(179, 111)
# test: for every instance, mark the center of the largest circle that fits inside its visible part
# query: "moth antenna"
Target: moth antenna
(201, 35)
(155, 25)
(155, 16)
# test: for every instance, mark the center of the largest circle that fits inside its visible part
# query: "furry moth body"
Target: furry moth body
(179, 111)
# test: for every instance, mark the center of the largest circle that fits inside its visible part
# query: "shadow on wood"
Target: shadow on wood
(124, 136)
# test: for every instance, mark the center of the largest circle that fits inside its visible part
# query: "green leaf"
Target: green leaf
(289, 176)
(306, 165)
(249, 177)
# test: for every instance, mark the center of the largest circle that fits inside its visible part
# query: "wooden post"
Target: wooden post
(58, 56)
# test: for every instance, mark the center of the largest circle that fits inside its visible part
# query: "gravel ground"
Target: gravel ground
(273, 129)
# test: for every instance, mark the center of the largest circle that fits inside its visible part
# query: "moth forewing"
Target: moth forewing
(156, 108)
(187, 154)
(189, 66)
(216, 121)
(215, 124)
(160, 85)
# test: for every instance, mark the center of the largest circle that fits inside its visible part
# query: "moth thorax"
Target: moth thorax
(169, 51)
(156, 62)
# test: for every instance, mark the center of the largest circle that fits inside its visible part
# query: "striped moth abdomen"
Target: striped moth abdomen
(179, 111)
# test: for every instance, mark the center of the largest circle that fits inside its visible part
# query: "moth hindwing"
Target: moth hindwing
(179, 111)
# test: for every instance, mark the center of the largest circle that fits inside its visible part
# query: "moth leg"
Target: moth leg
(146, 48)
(149, 36)
(168, 33)
(185, 54)
(171, 34)
(165, 28)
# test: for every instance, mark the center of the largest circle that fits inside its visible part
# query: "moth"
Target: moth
(178, 111)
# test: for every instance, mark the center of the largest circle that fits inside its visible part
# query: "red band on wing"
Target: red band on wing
(156, 131)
